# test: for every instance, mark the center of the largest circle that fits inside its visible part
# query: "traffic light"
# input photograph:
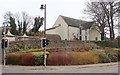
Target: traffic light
(44, 42)
(5, 43)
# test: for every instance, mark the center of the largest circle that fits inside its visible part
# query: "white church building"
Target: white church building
(74, 29)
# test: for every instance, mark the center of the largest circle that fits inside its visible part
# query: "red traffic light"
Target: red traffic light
(6, 40)
(5, 43)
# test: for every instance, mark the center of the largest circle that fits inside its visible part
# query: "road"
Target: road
(96, 68)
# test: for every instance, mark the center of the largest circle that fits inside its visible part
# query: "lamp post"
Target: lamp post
(44, 34)
(3, 48)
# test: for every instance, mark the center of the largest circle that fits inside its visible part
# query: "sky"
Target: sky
(69, 8)
(54, 8)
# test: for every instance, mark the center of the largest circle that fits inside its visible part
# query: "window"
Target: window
(80, 37)
(85, 37)
(73, 34)
(59, 24)
(96, 38)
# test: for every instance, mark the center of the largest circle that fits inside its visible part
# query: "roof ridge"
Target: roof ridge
(77, 22)
(71, 18)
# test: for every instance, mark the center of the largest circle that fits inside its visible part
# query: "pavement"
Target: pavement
(91, 68)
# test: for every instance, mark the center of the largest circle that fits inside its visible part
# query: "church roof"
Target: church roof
(76, 22)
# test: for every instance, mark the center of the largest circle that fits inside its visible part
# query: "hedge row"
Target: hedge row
(72, 58)
(60, 58)
(109, 43)
(30, 58)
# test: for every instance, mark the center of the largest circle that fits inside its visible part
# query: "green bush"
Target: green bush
(39, 57)
(108, 43)
(107, 56)
(104, 58)
(112, 57)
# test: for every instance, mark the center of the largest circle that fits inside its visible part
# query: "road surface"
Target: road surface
(96, 68)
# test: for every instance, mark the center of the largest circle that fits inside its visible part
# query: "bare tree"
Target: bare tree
(111, 9)
(20, 22)
(97, 14)
(104, 13)
(7, 17)
(26, 21)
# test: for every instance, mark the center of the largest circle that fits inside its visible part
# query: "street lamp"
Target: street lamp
(44, 34)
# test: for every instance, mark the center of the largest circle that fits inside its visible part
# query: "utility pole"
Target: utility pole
(44, 34)
(3, 48)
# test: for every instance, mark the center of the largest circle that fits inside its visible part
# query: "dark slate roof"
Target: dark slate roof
(87, 25)
(76, 22)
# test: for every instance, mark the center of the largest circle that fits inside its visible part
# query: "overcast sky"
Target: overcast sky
(69, 8)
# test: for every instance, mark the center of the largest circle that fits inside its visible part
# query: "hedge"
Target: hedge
(72, 58)
(109, 43)
(23, 58)
(61, 58)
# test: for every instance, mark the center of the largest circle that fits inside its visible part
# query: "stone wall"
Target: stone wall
(27, 44)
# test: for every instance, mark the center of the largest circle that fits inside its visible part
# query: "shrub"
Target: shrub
(39, 57)
(13, 58)
(107, 56)
(118, 55)
(108, 43)
(27, 59)
(84, 58)
(112, 57)
(72, 58)
(104, 58)
(59, 58)
(112, 51)
(15, 49)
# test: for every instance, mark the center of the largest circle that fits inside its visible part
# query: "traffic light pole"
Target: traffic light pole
(3, 49)
(45, 34)
(3, 56)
